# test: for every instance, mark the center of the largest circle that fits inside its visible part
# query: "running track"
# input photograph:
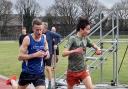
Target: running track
(3, 85)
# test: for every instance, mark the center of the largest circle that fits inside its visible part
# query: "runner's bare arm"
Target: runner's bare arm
(46, 43)
(68, 52)
(46, 48)
(98, 50)
(23, 55)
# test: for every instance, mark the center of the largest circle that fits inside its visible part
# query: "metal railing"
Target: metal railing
(111, 50)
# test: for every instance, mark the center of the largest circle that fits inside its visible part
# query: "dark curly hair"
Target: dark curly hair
(82, 23)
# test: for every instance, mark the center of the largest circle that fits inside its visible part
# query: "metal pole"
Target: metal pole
(113, 35)
(117, 38)
(54, 66)
(101, 45)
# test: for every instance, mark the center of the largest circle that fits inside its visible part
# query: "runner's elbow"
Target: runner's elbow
(64, 55)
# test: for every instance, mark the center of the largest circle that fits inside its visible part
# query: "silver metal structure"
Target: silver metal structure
(97, 62)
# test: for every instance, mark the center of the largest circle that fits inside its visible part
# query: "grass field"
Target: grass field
(9, 64)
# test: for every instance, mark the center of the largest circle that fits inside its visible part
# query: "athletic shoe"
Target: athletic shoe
(8, 82)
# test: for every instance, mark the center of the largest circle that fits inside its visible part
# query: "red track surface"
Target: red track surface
(3, 84)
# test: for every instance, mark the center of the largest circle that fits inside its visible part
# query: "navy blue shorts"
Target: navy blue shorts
(35, 79)
(48, 62)
(57, 51)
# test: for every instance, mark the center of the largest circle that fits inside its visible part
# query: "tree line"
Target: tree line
(62, 13)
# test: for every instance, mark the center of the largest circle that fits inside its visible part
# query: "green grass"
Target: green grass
(8, 58)
(9, 64)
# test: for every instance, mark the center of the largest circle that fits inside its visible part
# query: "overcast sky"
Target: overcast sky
(46, 3)
(108, 3)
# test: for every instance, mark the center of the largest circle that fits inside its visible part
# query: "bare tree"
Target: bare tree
(28, 9)
(89, 7)
(66, 12)
(67, 9)
(5, 11)
(122, 8)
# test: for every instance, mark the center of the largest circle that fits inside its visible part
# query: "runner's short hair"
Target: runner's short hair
(36, 21)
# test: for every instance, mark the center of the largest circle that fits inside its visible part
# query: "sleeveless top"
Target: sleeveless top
(34, 65)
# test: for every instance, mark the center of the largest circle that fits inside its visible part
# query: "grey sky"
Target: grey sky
(108, 3)
(45, 4)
